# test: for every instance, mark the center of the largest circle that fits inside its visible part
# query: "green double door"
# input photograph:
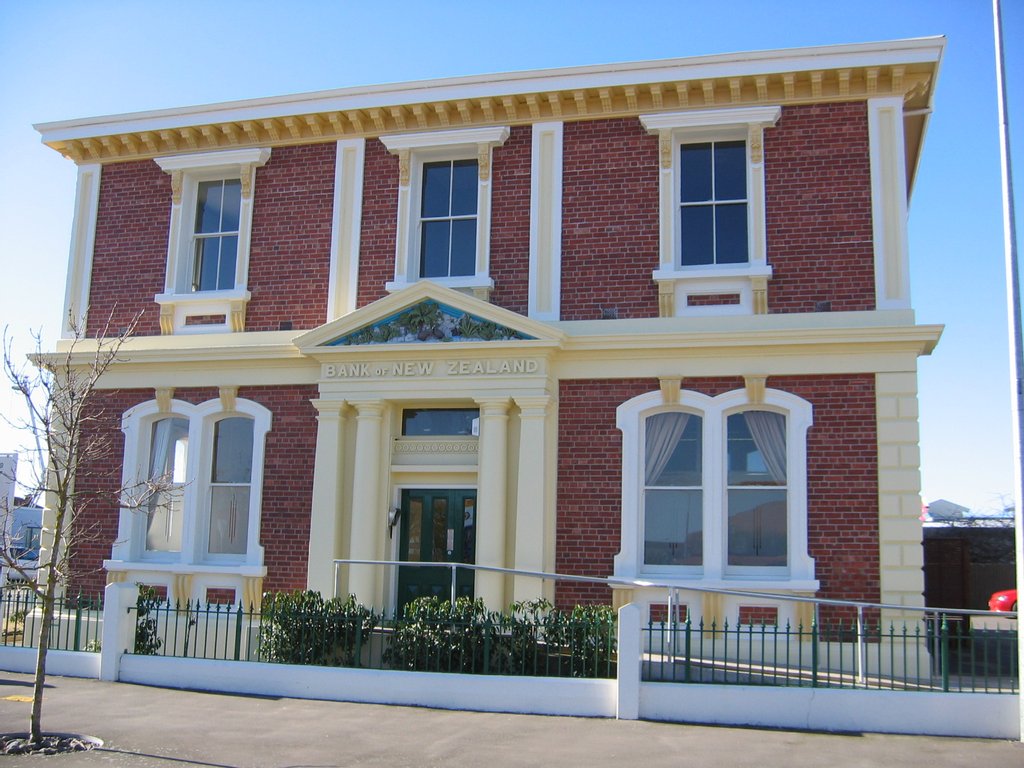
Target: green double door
(438, 526)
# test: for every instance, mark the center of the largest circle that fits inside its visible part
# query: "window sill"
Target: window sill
(717, 290)
(203, 311)
(478, 286)
(163, 566)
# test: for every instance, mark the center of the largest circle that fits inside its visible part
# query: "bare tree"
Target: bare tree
(66, 418)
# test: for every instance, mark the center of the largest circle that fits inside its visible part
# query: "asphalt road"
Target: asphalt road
(145, 727)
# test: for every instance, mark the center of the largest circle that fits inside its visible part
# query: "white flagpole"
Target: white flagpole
(1016, 333)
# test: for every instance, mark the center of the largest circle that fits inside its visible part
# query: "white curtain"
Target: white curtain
(663, 433)
(160, 450)
(769, 433)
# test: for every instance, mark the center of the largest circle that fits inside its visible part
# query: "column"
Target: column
(368, 516)
(325, 516)
(492, 485)
(530, 496)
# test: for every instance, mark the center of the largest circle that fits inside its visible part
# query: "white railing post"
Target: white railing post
(861, 648)
(630, 662)
(118, 627)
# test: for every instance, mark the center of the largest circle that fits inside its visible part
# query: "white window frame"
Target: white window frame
(137, 424)
(178, 302)
(631, 416)
(676, 283)
(415, 149)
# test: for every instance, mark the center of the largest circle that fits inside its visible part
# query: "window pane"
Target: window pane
(757, 527)
(673, 450)
(168, 450)
(232, 205)
(439, 537)
(731, 233)
(697, 235)
(232, 450)
(163, 521)
(756, 448)
(415, 530)
(229, 519)
(437, 179)
(228, 253)
(464, 187)
(463, 247)
(731, 170)
(469, 530)
(207, 263)
(438, 421)
(695, 172)
(673, 527)
(434, 248)
(208, 206)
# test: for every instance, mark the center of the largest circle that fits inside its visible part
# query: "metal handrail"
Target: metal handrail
(673, 596)
(647, 584)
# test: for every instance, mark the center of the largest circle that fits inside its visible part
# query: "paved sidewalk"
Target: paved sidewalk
(146, 727)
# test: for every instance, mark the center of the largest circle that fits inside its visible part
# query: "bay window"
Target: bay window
(714, 489)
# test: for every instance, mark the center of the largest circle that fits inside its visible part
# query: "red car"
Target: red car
(1003, 601)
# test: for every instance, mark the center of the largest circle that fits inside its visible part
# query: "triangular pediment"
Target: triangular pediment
(425, 314)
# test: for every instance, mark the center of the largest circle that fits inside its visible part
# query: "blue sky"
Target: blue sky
(62, 60)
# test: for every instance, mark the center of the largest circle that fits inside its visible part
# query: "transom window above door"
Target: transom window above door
(446, 422)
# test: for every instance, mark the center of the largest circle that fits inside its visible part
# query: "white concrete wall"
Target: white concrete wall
(484, 693)
(993, 716)
(67, 663)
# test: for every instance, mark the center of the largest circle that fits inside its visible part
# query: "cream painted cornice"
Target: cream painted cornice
(905, 68)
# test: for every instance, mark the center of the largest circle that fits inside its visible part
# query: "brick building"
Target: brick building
(649, 320)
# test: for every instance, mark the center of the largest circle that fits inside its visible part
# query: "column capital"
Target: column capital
(493, 406)
(534, 406)
(328, 408)
(368, 409)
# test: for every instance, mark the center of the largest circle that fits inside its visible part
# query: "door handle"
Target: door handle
(451, 541)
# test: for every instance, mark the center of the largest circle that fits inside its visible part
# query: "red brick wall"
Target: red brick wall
(290, 248)
(818, 188)
(132, 226)
(842, 473)
(510, 221)
(379, 222)
(610, 219)
(287, 483)
(590, 482)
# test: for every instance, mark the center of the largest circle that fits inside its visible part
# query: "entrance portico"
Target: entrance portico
(366, 460)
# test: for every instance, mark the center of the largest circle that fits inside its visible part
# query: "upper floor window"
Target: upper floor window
(713, 203)
(712, 247)
(448, 218)
(444, 207)
(205, 288)
(218, 209)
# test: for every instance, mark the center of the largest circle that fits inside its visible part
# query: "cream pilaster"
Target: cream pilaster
(367, 512)
(889, 202)
(492, 486)
(325, 517)
(546, 221)
(346, 227)
(532, 484)
(899, 489)
(83, 232)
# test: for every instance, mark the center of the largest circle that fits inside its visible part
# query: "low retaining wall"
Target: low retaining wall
(484, 693)
(67, 663)
(984, 715)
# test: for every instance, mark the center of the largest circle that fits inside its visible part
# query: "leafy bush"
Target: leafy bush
(303, 628)
(435, 636)
(146, 641)
(531, 638)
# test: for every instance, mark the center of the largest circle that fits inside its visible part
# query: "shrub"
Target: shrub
(435, 636)
(146, 641)
(303, 628)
